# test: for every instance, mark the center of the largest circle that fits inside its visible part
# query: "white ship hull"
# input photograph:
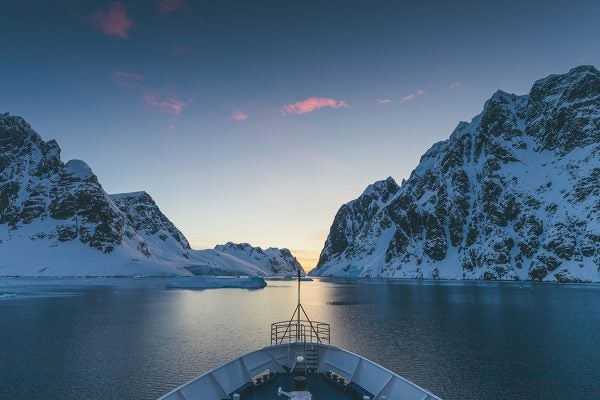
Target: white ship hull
(351, 372)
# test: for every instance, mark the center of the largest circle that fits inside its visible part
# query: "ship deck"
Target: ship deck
(331, 373)
(300, 364)
(319, 385)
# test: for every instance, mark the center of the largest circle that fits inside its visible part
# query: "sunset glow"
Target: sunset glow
(255, 122)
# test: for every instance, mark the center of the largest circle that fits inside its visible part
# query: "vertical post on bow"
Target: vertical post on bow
(298, 308)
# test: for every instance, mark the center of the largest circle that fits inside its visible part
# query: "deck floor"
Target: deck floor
(317, 385)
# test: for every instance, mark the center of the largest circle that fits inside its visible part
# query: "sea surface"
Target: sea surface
(133, 339)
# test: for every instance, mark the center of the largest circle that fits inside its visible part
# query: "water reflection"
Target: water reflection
(133, 339)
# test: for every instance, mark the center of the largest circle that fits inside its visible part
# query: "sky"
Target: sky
(254, 121)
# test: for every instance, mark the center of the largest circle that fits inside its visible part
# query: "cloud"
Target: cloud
(455, 85)
(239, 116)
(127, 79)
(412, 96)
(113, 22)
(164, 102)
(383, 101)
(169, 6)
(311, 104)
(168, 104)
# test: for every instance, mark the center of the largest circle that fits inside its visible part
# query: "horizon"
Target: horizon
(265, 149)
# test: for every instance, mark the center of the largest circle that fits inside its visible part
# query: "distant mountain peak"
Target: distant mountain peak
(382, 188)
(80, 169)
(146, 218)
(274, 261)
(8, 121)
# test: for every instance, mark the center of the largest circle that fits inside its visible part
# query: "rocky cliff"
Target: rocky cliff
(512, 195)
(57, 220)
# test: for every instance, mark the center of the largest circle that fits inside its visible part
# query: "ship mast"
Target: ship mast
(298, 307)
(297, 328)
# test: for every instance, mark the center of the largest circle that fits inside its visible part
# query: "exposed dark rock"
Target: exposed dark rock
(514, 194)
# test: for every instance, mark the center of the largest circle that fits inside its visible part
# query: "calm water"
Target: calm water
(107, 339)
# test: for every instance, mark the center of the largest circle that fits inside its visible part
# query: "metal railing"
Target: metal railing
(300, 331)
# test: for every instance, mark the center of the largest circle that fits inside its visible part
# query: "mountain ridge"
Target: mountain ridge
(472, 208)
(277, 261)
(57, 220)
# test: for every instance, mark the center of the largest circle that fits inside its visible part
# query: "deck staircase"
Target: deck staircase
(311, 352)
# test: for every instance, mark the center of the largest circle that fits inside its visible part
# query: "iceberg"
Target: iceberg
(216, 282)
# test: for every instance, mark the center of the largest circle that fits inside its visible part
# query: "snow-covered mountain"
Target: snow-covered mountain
(272, 261)
(146, 218)
(513, 194)
(57, 220)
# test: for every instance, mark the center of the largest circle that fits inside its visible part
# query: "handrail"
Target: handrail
(307, 331)
(300, 330)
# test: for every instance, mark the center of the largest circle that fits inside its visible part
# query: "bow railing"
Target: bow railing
(300, 331)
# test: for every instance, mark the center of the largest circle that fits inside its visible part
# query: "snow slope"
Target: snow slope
(512, 195)
(272, 261)
(57, 220)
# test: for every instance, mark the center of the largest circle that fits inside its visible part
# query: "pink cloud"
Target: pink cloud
(164, 102)
(383, 101)
(412, 96)
(127, 79)
(168, 104)
(455, 85)
(239, 116)
(311, 104)
(169, 6)
(113, 22)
